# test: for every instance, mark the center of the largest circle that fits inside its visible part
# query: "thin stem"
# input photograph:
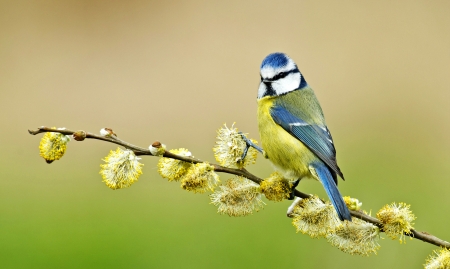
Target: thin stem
(424, 236)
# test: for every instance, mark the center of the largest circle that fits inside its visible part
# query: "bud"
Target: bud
(352, 203)
(79, 135)
(107, 132)
(157, 149)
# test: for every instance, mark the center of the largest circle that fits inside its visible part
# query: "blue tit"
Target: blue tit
(292, 128)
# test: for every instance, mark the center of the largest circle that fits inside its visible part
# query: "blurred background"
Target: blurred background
(177, 71)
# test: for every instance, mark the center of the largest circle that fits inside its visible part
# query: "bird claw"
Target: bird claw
(294, 185)
(249, 144)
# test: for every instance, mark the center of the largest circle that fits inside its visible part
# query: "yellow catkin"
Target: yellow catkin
(352, 203)
(237, 197)
(313, 217)
(200, 178)
(173, 169)
(397, 220)
(356, 237)
(275, 187)
(121, 169)
(53, 146)
(440, 260)
(230, 147)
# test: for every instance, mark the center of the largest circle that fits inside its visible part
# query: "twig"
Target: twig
(424, 236)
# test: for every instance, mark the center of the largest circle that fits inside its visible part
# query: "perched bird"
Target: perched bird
(292, 127)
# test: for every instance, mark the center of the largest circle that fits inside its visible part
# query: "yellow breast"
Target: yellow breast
(289, 155)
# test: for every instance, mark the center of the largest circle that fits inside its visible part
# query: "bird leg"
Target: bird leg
(290, 210)
(294, 185)
(250, 144)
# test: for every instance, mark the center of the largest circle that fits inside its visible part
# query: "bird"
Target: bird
(292, 127)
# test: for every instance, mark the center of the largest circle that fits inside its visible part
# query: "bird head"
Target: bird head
(279, 75)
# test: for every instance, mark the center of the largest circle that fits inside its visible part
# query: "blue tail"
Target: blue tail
(328, 183)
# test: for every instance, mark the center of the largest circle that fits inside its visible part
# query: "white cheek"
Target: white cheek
(278, 88)
(292, 81)
(287, 84)
(262, 90)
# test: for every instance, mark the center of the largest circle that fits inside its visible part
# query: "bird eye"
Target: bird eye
(261, 78)
(280, 75)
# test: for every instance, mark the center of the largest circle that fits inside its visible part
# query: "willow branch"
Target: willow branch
(424, 236)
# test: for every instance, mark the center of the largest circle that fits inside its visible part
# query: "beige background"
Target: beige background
(175, 72)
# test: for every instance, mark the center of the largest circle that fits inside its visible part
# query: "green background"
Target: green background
(175, 72)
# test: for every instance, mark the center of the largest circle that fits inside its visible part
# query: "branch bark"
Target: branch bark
(423, 236)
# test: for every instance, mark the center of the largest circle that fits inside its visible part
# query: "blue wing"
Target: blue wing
(317, 138)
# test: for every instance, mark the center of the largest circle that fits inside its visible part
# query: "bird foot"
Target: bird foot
(294, 185)
(249, 144)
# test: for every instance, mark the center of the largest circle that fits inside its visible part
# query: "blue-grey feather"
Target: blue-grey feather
(275, 60)
(330, 187)
(313, 136)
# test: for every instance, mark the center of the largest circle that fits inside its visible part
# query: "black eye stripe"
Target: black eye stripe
(283, 75)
